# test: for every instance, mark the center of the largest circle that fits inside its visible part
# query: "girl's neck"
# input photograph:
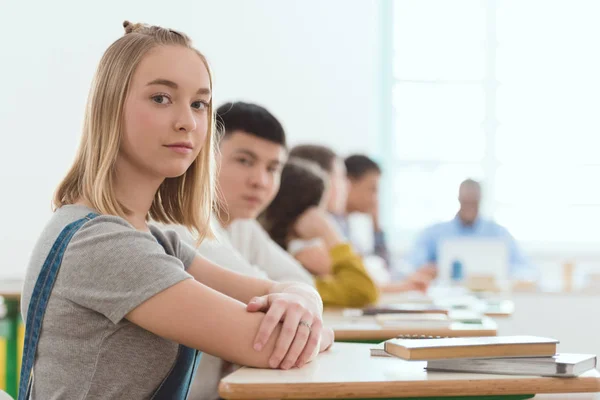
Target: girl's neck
(135, 190)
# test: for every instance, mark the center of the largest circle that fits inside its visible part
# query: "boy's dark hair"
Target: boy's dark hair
(357, 165)
(321, 155)
(250, 118)
(303, 184)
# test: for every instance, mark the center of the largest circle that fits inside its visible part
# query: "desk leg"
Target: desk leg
(12, 308)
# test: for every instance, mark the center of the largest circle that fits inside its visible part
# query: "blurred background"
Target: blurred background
(506, 92)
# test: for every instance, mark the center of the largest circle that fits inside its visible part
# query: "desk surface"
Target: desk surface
(500, 309)
(348, 371)
(366, 328)
(497, 308)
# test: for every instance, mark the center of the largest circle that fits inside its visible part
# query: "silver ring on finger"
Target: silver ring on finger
(306, 324)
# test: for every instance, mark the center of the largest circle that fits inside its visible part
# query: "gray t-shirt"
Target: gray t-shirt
(87, 349)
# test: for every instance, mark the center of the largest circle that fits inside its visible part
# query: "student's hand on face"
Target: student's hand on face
(313, 223)
(301, 330)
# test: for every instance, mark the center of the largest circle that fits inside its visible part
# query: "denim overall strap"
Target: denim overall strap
(39, 301)
(176, 385)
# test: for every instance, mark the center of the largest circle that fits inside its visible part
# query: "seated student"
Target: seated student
(363, 197)
(467, 223)
(252, 154)
(300, 202)
(297, 220)
(116, 308)
(335, 169)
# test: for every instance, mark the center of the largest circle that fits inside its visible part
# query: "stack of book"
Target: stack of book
(510, 355)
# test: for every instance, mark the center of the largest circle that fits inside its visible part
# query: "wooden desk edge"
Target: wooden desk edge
(385, 334)
(399, 389)
(498, 314)
(11, 295)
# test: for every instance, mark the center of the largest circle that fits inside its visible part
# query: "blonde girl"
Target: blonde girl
(114, 307)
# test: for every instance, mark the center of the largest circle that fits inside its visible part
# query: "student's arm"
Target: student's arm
(219, 251)
(380, 247)
(349, 284)
(233, 284)
(414, 282)
(200, 317)
(120, 273)
(257, 247)
(423, 254)
(379, 243)
(315, 259)
(241, 283)
(247, 288)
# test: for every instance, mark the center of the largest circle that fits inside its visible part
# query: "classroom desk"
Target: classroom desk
(499, 309)
(496, 308)
(366, 328)
(10, 292)
(348, 371)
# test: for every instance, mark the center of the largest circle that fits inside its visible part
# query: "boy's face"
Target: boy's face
(249, 173)
(363, 194)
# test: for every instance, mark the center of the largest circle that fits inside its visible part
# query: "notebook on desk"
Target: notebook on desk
(378, 350)
(471, 347)
(560, 365)
(405, 308)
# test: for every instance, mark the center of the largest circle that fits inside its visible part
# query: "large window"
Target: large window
(507, 92)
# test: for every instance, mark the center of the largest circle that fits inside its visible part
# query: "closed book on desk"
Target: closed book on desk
(378, 350)
(404, 309)
(561, 365)
(471, 347)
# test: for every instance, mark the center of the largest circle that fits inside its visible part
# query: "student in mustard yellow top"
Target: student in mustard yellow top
(336, 205)
(297, 219)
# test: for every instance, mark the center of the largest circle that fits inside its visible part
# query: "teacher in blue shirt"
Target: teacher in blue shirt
(467, 223)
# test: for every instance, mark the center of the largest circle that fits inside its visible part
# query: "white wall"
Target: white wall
(314, 64)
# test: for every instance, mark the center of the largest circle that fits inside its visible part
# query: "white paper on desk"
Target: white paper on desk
(352, 312)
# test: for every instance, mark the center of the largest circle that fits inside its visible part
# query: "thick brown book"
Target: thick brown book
(471, 347)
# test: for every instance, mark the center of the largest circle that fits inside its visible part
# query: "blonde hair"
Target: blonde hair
(185, 200)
